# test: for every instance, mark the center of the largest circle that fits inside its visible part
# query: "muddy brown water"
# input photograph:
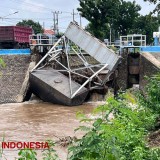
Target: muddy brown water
(32, 122)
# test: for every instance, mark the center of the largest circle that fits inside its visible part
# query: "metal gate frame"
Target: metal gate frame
(53, 55)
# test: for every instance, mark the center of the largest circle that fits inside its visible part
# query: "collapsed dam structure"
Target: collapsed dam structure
(77, 65)
(57, 84)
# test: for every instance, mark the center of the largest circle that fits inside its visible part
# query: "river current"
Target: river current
(39, 121)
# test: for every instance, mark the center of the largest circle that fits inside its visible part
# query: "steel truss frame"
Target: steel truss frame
(53, 55)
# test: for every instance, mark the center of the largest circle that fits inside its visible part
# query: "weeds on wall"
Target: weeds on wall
(2, 63)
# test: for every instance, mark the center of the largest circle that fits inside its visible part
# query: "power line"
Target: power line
(59, 20)
(46, 11)
(9, 14)
(20, 9)
(31, 4)
(6, 22)
(39, 6)
(40, 18)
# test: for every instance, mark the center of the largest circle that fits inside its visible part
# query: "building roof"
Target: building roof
(48, 31)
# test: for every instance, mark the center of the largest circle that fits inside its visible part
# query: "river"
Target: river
(39, 121)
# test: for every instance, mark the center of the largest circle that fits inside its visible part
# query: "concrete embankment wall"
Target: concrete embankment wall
(149, 65)
(12, 76)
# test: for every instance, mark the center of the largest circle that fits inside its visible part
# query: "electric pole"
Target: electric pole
(56, 21)
(74, 15)
(80, 20)
(43, 25)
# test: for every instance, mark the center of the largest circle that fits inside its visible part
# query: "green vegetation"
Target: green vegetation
(27, 154)
(109, 13)
(152, 97)
(50, 154)
(30, 154)
(30, 23)
(121, 16)
(2, 64)
(122, 136)
(146, 25)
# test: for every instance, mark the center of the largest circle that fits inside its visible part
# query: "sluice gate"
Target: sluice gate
(54, 79)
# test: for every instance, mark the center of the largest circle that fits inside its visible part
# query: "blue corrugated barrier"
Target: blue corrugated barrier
(14, 51)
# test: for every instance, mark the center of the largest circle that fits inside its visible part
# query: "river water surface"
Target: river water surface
(31, 122)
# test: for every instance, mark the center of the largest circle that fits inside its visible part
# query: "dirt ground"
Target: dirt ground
(154, 136)
(154, 139)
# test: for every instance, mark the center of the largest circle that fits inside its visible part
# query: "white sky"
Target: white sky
(41, 10)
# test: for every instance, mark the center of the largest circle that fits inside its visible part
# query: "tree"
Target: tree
(99, 13)
(118, 15)
(100, 32)
(128, 12)
(146, 25)
(35, 25)
(152, 1)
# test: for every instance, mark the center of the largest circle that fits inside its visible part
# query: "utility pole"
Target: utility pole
(80, 20)
(43, 25)
(110, 35)
(74, 15)
(56, 21)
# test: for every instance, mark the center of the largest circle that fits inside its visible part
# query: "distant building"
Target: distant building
(48, 32)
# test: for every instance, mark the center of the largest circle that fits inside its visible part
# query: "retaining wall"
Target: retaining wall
(12, 76)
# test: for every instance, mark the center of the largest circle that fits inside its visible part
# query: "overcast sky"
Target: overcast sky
(41, 10)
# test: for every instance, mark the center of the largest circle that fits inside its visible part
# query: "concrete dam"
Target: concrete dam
(69, 76)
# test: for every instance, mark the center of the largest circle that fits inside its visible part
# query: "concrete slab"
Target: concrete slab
(52, 86)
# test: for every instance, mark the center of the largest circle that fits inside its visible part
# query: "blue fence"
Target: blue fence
(150, 49)
(14, 51)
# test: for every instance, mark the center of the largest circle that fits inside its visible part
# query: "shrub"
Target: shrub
(124, 136)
